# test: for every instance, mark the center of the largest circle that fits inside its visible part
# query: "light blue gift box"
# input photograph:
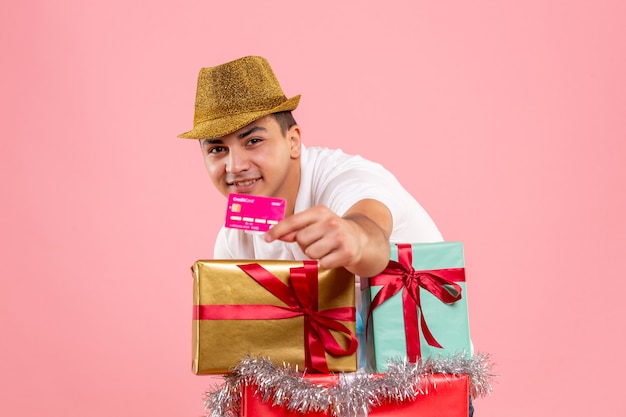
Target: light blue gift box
(385, 336)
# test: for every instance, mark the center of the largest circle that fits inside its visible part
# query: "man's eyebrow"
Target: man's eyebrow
(211, 141)
(250, 131)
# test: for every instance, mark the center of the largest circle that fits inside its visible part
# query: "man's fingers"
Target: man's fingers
(289, 237)
(289, 227)
(285, 230)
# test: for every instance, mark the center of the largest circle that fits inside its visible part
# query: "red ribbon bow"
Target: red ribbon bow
(401, 276)
(301, 298)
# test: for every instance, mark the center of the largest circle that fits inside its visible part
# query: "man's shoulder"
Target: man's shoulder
(313, 152)
(320, 155)
(336, 162)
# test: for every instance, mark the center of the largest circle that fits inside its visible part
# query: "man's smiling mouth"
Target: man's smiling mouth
(243, 183)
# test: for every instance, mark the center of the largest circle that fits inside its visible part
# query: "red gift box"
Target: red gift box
(441, 395)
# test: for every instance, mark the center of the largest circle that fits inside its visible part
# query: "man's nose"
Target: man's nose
(237, 161)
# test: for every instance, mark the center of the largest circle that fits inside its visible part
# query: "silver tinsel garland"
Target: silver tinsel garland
(355, 394)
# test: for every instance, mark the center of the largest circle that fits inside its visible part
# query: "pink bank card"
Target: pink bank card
(253, 212)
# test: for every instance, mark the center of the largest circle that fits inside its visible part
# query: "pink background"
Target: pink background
(505, 119)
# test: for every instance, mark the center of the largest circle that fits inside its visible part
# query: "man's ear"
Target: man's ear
(295, 141)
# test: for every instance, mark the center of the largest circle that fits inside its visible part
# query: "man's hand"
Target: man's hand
(358, 241)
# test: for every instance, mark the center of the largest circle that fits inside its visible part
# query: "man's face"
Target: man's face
(256, 159)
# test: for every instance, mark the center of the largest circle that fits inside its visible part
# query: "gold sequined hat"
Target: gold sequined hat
(234, 94)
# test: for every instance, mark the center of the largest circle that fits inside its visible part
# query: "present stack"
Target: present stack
(284, 335)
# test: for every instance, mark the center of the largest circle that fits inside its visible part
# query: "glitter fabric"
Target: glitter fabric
(234, 94)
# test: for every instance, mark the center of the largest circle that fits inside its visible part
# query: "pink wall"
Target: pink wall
(505, 119)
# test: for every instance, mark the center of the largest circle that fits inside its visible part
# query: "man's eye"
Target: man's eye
(216, 149)
(252, 141)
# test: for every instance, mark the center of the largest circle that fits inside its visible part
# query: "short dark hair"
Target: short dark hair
(285, 120)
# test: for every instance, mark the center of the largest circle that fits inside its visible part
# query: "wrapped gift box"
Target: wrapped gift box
(290, 311)
(417, 307)
(441, 395)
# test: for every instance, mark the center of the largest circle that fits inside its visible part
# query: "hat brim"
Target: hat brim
(217, 128)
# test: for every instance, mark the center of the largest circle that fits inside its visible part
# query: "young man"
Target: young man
(341, 210)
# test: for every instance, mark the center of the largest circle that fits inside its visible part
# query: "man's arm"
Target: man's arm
(358, 241)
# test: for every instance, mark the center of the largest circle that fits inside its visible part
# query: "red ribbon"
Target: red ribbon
(301, 299)
(401, 276)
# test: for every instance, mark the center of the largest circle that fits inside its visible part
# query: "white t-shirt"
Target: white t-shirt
(336, 180)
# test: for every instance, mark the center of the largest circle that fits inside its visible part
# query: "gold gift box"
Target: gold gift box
(220, 344)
